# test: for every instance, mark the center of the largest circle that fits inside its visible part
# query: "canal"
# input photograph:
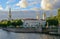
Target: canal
(12, 35)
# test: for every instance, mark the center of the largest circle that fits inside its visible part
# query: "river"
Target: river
(12, 35)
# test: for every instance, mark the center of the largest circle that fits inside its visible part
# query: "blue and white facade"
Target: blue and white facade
(33, 23)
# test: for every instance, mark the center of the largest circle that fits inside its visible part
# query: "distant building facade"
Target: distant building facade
(33, 22)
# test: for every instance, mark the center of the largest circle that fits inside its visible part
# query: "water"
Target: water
(11, 35)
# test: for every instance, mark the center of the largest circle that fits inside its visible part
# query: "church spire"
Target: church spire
(37, 17)
(44, 16)
(9, 14)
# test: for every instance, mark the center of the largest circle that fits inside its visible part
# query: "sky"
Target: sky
(29, 4)
(50, 6)
(19, 4)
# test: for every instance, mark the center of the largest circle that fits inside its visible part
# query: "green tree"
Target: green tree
(58, 15)
(5, 23)
(53, 21)
(16, 22)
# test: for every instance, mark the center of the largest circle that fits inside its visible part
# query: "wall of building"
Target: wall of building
(31, 23)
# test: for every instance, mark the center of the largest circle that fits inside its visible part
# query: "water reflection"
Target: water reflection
(11, 35)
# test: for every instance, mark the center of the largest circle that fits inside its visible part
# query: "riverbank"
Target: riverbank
(23, 30)
(28, 30)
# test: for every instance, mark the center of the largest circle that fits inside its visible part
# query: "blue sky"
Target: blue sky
(29, 4)
(3, 3)
(18, 4)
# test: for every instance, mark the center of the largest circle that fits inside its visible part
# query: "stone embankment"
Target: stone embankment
(28, 30)
(23, 30)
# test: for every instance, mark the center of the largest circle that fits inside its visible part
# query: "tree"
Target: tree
(17, 23)
(58, 16)
(53, 21)
(7, 23)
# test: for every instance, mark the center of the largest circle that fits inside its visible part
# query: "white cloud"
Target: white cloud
(50, 4)
(28, 3)
(35, 9)
(33, 3)
(10, 1)
(1, 8)
(22, 4)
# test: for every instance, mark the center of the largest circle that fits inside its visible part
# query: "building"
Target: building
(29, 22)
(33, 24)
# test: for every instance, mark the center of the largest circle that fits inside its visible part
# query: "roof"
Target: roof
(30, 19)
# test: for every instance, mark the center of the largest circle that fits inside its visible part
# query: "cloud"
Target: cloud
(33, 3)
(1, 8)
(22, 4)
(10, 1)
(50, 4)
(35, 9)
